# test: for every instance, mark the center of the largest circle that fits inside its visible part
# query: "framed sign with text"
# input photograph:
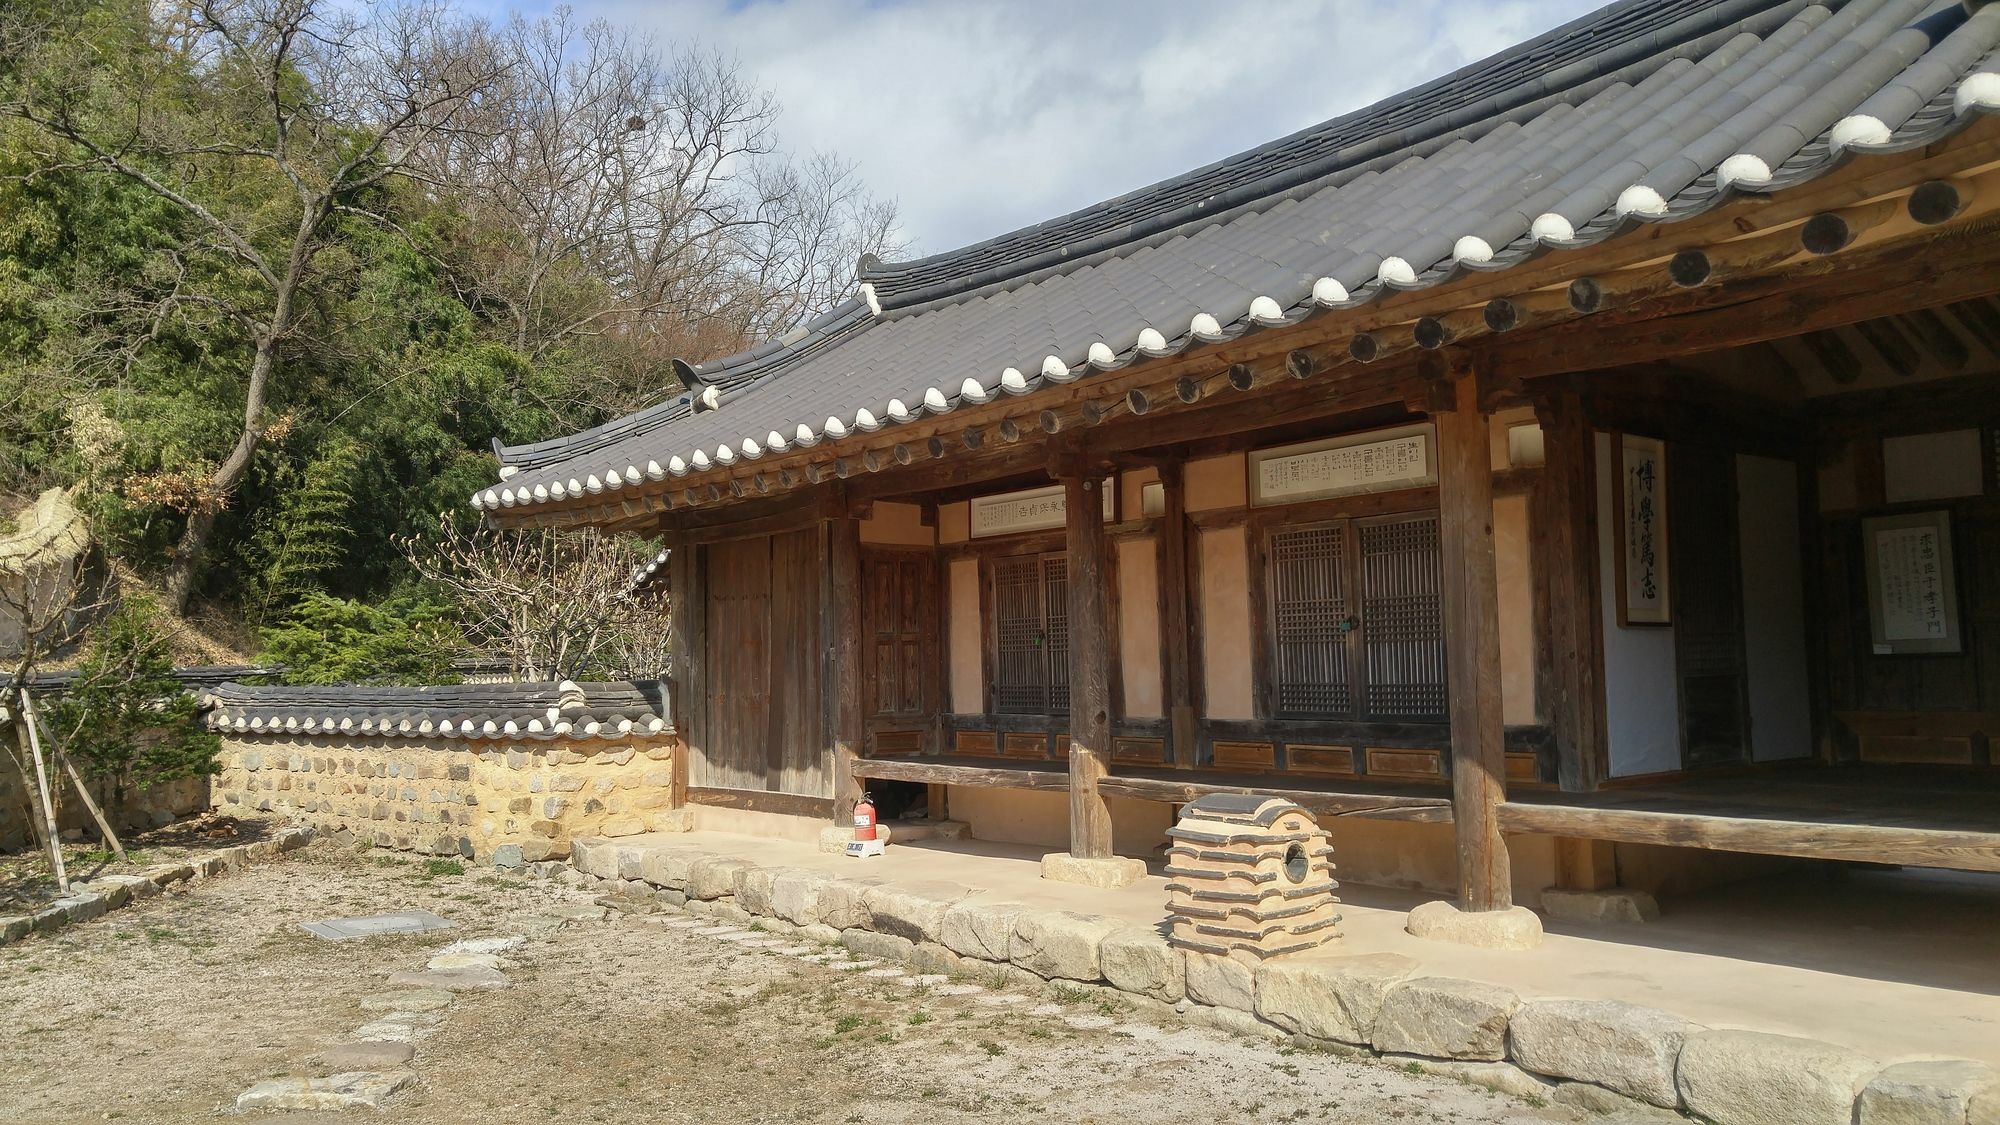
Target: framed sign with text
(1376, 461)
(1640, 467)
(1912, 591)
(1033, 509)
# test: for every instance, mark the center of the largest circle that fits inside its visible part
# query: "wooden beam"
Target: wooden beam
(1089, 669)
(1938, 339)
(1176, 639)
(1472, 644)
(1367, 806)
(1862, 843)
(762, 801)
(842, 592)
(930, 771)
(1565, 545)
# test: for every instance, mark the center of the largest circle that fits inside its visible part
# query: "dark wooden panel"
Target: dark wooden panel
(1386, 761)
(898, 742)
(1151, 751)
(1337, 760)
(797, 757)
(1018, 744)
(1708, 606)
(982, 742)
(1245, 756)
(738, 672)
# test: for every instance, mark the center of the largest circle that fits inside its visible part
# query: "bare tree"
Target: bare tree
(306, 116)
(553, 604)
(638, 200)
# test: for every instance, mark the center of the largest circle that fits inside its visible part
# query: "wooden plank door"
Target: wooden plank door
(899, 602)
(1707, 577)
(738, 676)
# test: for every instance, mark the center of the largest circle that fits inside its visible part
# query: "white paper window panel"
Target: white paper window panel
(1931, 466)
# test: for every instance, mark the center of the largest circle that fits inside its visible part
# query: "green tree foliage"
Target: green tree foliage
(328, 640)
(126, 721)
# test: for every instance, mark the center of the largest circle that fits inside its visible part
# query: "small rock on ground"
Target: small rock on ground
(338, 1091)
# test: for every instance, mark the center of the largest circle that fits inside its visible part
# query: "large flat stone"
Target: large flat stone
(451, 980)
(979, 929)
(912, 910)
(1137, 959)
(357, 1090)
(1446, 1018)
(713, 877)
(594, 856)
(1221, 981)
(753, 889)
(1107, 873)
(447, 962)
(1933, 1092)
(1618, 904)
(368, 1054)
(407, 1000)
(795, 895)
(843, 905)
(1622, 1047)
(1516, 927)
(1059, 944)
(1328, 996)
(885, 947)
(1754, 1078)
(668, 867)
(375, 925)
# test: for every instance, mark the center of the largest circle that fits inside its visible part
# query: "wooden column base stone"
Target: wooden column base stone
(1612, 904)
(1516, 927)
(1108, 873)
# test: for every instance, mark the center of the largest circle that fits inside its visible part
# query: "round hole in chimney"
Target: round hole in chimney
(1296, 863)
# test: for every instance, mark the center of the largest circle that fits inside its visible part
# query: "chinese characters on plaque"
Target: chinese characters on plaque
(1036, 509)
(1643, 593)
(1371, 462)
(1912, 598)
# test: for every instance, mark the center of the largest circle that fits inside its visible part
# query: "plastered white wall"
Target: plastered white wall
(1641, 689)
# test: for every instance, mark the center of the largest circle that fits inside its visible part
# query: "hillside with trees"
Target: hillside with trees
(274, 277)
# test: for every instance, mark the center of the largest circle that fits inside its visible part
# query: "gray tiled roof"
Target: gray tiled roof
(1646, 111)
(511, 711)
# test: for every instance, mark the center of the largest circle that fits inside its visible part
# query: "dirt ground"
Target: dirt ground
(25, 882)
(166, 1010)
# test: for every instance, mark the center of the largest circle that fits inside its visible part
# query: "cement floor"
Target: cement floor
(1897, 964)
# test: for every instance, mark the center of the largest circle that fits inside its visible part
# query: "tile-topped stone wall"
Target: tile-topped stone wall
(506, 802)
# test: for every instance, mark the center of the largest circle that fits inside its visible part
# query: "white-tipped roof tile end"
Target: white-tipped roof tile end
(1204, 326)
(1640, 199)
(935, 402)
(1860, 129)
(1979, 91)
(1013, 382)
(1551, 227)
(1743, 168)
(1101, 355)
(1328, 291)
(1472, 248)
(1054, 368)
(1150, 340)
(1396, 271)
(971, 391)
(874, 302)
(1266, 310)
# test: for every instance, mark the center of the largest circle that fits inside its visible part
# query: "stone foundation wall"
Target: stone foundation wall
(143, 808)
(488, 800)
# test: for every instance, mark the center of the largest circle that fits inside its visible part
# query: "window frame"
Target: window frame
(990, 566)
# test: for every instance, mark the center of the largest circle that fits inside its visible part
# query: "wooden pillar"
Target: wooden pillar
(687, 602)
(1089, 668)
(1585, 865)
(1175, 635)
(1567, 568)
(842, 599)
(1472, 644)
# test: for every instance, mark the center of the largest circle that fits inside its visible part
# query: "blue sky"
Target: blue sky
(979, 117)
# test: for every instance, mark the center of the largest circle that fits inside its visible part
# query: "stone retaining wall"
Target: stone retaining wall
(1600, 1055)
(489, 800)
(143, 808)
(94, 898)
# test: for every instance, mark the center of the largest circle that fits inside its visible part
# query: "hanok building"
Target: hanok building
(1589, 455)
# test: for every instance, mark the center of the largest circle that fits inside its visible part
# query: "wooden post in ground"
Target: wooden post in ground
(1089, 668)
(1585, 865)
(1566, 560)
(76, 779)
(843, 664)
(1175, 636)
(1472, 644)
(48, 799)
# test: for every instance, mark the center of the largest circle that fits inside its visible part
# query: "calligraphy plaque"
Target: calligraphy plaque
(1033, 509)
(1643, 593)
(1372, 462)
(1912, 592)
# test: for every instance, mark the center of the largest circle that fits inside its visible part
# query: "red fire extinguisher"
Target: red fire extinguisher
(864, 818)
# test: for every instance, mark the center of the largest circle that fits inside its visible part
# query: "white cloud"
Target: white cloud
(979, 117)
